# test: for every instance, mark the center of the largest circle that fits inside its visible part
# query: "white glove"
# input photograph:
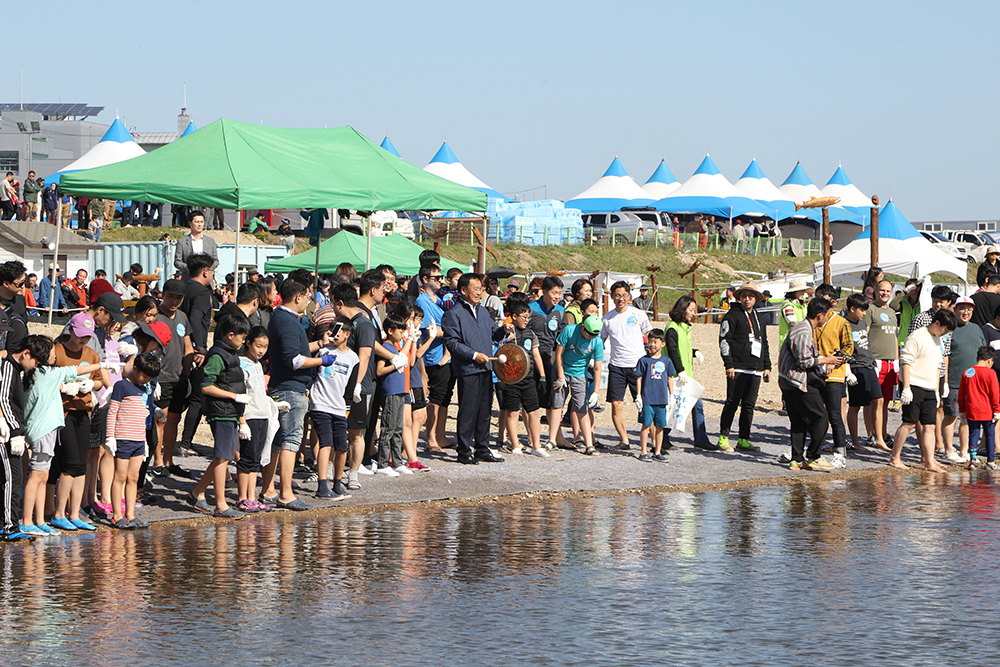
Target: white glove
(996, 416)
(283, 406)
(590, 364)
(242, 398)
(70, 388)
(245, 432)
(684, 376)
(127, 350)
(432, 330)
(112, 366)
(160, 415)
(592, 401)
(145, 450)
(946, 391)
(156, 392)
(699, 357)
(906, 396)
(559, 384)
(937, 399)
(638, 403)
(111, 444)
(17, 445)
(4, 430)
(357, 393)
(399, 362)
(852, 379)
(86, 386)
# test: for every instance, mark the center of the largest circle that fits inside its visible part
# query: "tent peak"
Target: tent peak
(616, 168)
(444, 155)
(707, 166)
(387, 145)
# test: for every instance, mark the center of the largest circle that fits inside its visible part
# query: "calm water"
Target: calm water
(895, 570)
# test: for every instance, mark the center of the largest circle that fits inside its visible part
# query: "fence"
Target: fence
(458, 232)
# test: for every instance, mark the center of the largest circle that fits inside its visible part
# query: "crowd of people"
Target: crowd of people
(351, 371)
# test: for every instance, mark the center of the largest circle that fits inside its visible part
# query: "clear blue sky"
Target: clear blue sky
(904, 94)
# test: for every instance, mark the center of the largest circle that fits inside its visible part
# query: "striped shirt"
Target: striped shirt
(127, 411)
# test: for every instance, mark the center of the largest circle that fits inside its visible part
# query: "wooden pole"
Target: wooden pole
(656, 296)
(826, 245)
(481, 268)
(874, 231)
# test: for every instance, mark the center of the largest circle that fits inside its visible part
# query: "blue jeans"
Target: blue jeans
(289, 434)
(987, 427)
(698, 422)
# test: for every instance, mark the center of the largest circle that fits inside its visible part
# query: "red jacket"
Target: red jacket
(979, 394)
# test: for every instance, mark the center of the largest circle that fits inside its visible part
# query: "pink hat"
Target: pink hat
(82, 325)
(964, 300)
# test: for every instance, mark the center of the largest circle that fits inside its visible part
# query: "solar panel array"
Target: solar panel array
(54, 109)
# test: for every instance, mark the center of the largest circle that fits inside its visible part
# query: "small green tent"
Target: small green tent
(242, 167)
(400, 252)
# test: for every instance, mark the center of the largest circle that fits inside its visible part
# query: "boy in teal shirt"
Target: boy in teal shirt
(576, 345)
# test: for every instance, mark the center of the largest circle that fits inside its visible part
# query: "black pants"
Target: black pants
(807, 414)
(373, 413)
(72, 448)
(10, 488)
(475, 398)
(833, 394)
(740, 391)
(195, 403)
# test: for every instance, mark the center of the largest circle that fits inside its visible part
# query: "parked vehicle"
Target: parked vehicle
(951, 248)
(975, 243)
(383, 223)
(651, 215)
(621, 228)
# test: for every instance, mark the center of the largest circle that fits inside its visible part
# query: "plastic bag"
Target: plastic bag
(687, 391)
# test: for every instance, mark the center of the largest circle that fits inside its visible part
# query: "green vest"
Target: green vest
(907, 312)
(801, 310)
(684, 347)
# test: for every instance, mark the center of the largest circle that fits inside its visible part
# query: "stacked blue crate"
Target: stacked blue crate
(543, 222)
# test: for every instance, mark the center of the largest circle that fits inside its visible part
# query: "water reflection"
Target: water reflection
(873, 564)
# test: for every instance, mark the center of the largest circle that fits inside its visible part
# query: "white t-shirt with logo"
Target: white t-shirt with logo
(625, 331)
(328, 392)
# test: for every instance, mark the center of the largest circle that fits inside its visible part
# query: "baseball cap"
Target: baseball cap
(82, 325)
(173, 286)
(112, 303)
(592, 324)
(159, 331)
(964, 300)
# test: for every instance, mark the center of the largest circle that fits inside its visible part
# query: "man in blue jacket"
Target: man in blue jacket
(45, 291)
(469, 332)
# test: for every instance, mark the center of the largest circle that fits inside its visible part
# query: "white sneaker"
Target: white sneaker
(388, 472)
(955, 457)
(368, 470)
(402, 470)
(540, 453)
(517, 452)
(838, 461)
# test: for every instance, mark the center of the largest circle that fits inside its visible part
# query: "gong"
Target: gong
(515, 368)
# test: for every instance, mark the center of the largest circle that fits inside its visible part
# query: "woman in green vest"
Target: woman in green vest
(907, 306)
(682, 354)
(793, 308)
(582, 290)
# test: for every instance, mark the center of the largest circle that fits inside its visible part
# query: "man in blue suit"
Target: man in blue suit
(469, 332)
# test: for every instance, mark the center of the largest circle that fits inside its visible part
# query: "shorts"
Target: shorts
(866, 391)
(922, 409)
(290, 423)
(950, 404)
(653, 415)
(173, 395)
(98, 421)
(42, 451)
(227, 439)
(252, 449)
(129, 448)
(543, 386)
(331, 430)
(886, 378)
(523, 394)
(440, 383)
(357, 414)
(418, 400)
(578, 395)
(498, 391)
(618, 379)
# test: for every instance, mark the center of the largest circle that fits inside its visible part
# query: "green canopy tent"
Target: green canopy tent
(400, 252)
(235, 165)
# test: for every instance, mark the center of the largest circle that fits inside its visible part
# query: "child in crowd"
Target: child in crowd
(979, 405)
(25, 355)
(523, 395)
(256, 415)
(576, 346)
(225, 393)
(43, 417)
(394, 391)
(328, 404)
(129, 420)
(654, 375)
(415, 407)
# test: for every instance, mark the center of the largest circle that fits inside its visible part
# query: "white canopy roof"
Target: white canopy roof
(117, 145)
(755, 185)
(840, 186)
(612, 191)
(661, 183)
(798, 187)
(707, 181)
(446, 165)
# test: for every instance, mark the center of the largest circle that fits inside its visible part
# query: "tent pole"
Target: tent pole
(52, 289)
(316, 269)
(874, 231)
(826, 245)
(368, 245)
(236, 271)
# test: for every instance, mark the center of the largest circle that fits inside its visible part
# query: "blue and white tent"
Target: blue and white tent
(755, 185)
(387, 145)
(708, 192)
(188, 130)
(611, 192)
(799, 188)
(902, 250)
(661, 183)
(851, 197)
(446, 165)
(117, 145)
